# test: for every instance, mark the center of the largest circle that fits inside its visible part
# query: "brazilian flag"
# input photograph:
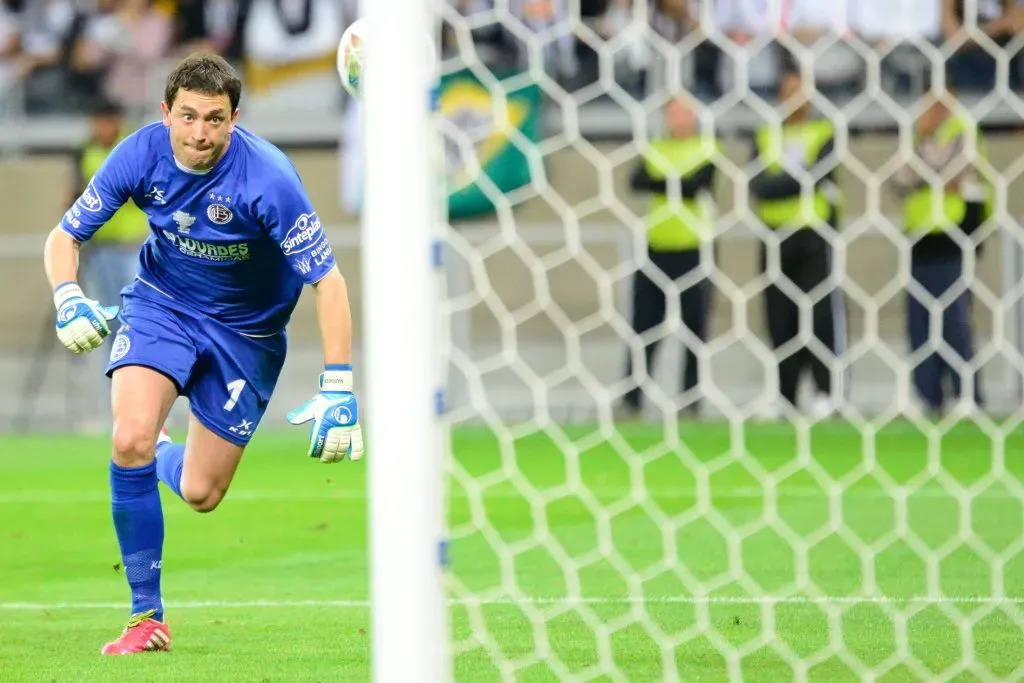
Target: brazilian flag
(486, 133)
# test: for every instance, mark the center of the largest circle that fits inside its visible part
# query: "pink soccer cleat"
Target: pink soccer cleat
(142, 634)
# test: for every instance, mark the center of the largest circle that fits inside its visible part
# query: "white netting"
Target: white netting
(872, 540)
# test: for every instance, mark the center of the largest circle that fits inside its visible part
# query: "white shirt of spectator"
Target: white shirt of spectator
(9, 28)
(267, 39)
(756, 18)
(911, 20)
(835, 62)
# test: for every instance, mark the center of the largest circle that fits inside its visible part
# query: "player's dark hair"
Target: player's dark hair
(205, 73)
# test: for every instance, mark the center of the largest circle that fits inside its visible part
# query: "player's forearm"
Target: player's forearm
(60, 258)
(335, 317)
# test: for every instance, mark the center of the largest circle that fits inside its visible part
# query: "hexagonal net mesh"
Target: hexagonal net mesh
(770, 451)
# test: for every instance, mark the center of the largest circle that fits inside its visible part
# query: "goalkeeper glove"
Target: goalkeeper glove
(335, 433)
(81, 322)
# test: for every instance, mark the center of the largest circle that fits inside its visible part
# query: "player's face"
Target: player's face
(201, 127)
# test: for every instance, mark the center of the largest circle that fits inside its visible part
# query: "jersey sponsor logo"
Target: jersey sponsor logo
(305, 265)
(184, 221)
(303, 235)
(208, 251)
(219, 214)
(120, 347)
(90, 200)
(322, 252)
(69, 218)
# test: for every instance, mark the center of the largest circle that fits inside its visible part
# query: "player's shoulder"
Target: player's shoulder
(143, 146)
(265, 160)
(148, 139)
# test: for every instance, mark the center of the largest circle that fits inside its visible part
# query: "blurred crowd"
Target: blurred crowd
(59, 56)
(719, 46)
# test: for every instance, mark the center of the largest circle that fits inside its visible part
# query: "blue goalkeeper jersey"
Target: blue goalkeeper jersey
(235, 243)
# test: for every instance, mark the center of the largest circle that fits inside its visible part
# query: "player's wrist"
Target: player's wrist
(65, 291)
(336, 377)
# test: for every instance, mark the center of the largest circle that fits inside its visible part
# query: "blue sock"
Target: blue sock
(139, 523)
(170, 459)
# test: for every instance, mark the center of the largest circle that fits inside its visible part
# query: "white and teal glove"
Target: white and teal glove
(82, 324)
(335, 433)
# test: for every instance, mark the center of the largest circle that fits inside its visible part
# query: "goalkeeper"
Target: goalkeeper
(233, 240)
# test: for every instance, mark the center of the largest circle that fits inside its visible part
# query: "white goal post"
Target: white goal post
(401, 378)
(872, 542)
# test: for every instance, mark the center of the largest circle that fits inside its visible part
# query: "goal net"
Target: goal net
(717, 532)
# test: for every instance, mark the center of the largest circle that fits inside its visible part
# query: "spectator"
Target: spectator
(803, 225)
(205, 25)
(45, 27)
(898, 32)
(121, 45)
(973, 66)
(942, 141)
(749, 27)
(10, 46)
(549, 17)
(824, 28)
(674, 20)
(679, 172)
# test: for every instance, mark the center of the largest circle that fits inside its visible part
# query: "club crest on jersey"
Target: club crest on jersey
(184, 221)
(120, 348)
(219, 214)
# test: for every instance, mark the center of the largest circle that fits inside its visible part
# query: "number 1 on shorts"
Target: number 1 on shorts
(235, 390)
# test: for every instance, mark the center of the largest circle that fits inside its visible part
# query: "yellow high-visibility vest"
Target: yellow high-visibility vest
(807, 139)
(930, 210)
(682, 225)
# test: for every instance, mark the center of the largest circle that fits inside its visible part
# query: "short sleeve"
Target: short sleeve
(104, 193)
(287, 213)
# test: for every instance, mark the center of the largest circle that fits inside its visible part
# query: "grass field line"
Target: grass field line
(543, 601)
(505, 492)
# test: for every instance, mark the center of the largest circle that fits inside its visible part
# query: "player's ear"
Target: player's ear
(234, 120)
(166, 111)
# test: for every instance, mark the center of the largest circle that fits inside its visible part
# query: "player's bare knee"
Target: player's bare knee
(133, 444)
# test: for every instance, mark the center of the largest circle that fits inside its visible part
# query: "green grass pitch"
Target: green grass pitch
(707, 554)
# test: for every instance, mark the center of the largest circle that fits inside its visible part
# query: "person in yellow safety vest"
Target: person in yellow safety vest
(942, 211)
(679, 172)
(110, 259)
(796, 197)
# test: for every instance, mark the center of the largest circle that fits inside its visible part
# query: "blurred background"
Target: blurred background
(542, 251)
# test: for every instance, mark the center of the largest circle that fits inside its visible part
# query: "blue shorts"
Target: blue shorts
(227, 377)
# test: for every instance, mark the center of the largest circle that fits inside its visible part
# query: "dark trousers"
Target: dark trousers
(936, 275)
(649, 309)
(805, 260)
